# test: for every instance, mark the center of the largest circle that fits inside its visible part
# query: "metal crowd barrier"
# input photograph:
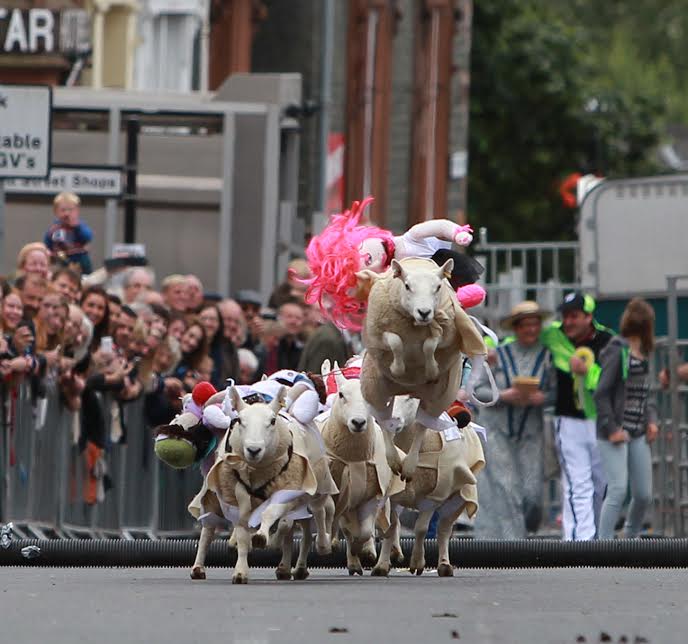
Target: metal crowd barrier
(43, 474)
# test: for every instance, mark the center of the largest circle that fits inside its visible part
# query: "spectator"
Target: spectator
(292, 288)
(250, 303)
(12, 312)
(94, 304)
(194, 349)
(248, 367)
(33, 258)
(510, 487)
(175, 292)
(162, 402)
(122, 336)
(136, 283)
(50, 322)
(287, 353)
(583, 480)
(326, 342)
(153, 297)
(66, 282)
(233, 321)
(221, 349)
(114, 309)
(681, 372)
(627, 419)
(194, 294)
(177, 325)
(31, 289)
(68, 237)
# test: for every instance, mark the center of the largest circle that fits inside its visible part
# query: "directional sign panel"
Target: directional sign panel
(86, 181)
(25, 131)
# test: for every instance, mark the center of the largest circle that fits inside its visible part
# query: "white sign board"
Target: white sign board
(25, 131)
(83, 181)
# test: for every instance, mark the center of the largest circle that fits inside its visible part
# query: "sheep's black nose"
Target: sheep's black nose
(253, 451)
(424, 313)
(358, 424)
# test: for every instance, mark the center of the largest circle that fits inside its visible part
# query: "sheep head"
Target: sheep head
(258, 430)
(419, 289)
(349, 406)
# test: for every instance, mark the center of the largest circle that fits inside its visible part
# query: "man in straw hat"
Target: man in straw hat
(575, 344)
(510, 487)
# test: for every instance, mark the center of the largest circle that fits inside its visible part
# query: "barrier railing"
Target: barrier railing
(45, 474)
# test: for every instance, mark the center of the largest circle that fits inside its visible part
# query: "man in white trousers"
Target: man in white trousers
(575, 344)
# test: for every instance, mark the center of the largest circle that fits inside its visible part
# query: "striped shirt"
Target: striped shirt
(637, 392)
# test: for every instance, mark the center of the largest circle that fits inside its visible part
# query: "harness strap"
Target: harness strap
(260, 491)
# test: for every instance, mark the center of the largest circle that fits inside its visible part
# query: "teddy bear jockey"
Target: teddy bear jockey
(346, 247)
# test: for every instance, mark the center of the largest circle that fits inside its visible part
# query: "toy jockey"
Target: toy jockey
(346, 247)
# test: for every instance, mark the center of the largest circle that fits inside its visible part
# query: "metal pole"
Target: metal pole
(114, 124)
(224, 262)
(133, 127)
(676, 438)
(327, 28)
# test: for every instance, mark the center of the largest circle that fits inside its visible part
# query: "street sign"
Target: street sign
(25, 131)
(86, 181)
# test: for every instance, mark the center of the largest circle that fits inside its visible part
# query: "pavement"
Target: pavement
(128, 606)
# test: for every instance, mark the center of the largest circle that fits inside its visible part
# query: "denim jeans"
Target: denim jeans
(625, 463)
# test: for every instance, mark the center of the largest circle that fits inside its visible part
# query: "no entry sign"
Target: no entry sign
(25, 132)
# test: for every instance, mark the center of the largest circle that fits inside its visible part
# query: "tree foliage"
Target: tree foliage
(542, 107)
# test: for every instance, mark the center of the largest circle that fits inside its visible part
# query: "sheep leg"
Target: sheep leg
(417, 561)
(283, 526)
(444, 529)
(432, 369)
(243, 537)
(364, 543)
(408, 469)
(384, 562)
(301, 570)
(353, 563)
(323, 539)
(396, 346)
(271, 514)
(283, 570)
(396, 555)
(391, 453)
(207, 536)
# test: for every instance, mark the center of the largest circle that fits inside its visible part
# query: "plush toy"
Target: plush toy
(193, 434)
(346, 247)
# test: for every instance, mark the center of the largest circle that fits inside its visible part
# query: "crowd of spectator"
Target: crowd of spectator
(118, 330)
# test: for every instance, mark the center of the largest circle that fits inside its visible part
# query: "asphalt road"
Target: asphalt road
(127, 606)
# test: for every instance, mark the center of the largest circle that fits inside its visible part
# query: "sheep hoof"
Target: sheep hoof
(397, 369)
(445, 570)
(283, 574)
(396, 557)
(301, 573)
(367, 558)
(417, 571)
(240, 578)
(355, 570)
(258, 540)
(197, 572)
(323, 548)
(380, 571)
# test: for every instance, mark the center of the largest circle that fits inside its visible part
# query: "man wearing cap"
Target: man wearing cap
(575, 344)
(510, 487)
(250, 303)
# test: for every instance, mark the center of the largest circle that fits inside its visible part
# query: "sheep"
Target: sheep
(414, 333)
(444, 482)
(266, 469)
(355, 448)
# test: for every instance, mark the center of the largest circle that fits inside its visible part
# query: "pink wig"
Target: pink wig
(334, 259)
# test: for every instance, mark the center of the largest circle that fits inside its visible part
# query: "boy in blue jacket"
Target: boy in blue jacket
(68, 236)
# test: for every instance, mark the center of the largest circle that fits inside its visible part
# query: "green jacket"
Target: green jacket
(562, 350)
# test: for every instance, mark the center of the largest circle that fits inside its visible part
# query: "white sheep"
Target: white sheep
(356, 451)
(444, 483)
(415, 333)
(269, 468)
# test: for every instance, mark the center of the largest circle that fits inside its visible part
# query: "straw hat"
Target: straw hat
(526, 309)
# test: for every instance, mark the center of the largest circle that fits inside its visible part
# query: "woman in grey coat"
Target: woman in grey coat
(510, 486)
(627, 419)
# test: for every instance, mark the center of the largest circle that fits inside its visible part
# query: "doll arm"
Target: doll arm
(442, 229)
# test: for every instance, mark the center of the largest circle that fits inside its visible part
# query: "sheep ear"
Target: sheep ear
(338, 376)
(278, 401)
(237, 401)
(264, 377)
(446, 269)
(397, 269)
(366, 277)
(325, 368)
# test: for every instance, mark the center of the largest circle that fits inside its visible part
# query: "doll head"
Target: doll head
(336, 255)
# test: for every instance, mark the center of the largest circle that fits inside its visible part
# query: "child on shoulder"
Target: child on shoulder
(68, 236)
